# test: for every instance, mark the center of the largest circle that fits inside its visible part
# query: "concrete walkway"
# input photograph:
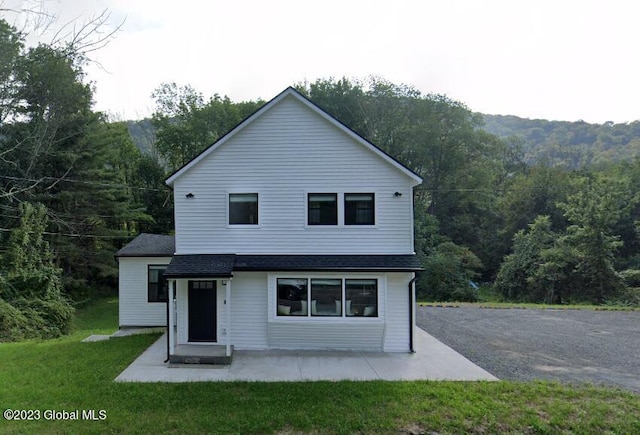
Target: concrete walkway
(122, 333)
(432, 361)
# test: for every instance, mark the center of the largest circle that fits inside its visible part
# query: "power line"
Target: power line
(89, 236)
(94, 183)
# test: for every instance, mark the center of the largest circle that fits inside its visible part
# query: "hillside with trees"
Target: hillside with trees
(571, 145)
(546, 211)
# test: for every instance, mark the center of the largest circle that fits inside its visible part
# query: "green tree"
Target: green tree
(593, 211)
(449, 270)
(11, 46)
(32, 303)
(519, 276)
(149, 187)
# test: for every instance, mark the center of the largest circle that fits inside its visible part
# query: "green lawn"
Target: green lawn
(65, 374)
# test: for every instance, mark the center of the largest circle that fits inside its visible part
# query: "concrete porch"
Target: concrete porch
(433, 360)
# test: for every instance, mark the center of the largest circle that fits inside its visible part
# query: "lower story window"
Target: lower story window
(292, 297)
(362, 297)
(327, 297)
(158, 287)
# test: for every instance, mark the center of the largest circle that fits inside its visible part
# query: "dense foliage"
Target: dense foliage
(571, 145)
(32, 303)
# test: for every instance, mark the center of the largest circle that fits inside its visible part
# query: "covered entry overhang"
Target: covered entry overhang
(185, 270)
(204, 276)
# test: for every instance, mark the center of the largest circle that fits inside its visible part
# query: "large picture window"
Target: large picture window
(243, 209)
(359, 209)
(327, 297)
(158, 287)
(322, 209)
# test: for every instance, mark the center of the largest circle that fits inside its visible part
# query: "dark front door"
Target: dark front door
(202, 311)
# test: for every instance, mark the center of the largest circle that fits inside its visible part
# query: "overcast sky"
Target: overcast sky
(551, 59)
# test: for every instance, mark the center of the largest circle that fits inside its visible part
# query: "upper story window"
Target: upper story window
(158, 287)
(322, 209)
(359, 209)
(243, 209)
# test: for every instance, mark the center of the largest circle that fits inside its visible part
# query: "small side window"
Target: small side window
(158, 287)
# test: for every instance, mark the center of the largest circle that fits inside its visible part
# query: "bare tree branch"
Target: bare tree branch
(89, 37)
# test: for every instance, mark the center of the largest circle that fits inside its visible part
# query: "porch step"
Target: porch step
(214, 355)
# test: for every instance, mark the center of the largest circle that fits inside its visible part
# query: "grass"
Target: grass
(65, 374)
(489, 299)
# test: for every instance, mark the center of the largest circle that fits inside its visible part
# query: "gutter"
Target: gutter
(411, 308)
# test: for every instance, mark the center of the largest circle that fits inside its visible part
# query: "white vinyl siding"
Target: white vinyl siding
(337, 335)
(249, 310)
(134, 308)
(290, 151)
(396, 337)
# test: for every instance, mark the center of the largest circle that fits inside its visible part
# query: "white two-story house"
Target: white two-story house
(291, 232)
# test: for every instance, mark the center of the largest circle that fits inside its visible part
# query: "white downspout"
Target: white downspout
(228, 315)
(171, 326)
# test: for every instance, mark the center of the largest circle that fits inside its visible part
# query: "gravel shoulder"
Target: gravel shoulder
(601, 347)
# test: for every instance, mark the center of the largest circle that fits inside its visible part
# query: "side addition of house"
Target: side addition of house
(291, 232)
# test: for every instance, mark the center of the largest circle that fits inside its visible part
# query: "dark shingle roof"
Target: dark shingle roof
(285, 263)
(200, 265)
(223, 265)
(149, 245)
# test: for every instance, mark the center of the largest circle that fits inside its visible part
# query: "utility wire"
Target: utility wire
(94, 183)
(88, 236)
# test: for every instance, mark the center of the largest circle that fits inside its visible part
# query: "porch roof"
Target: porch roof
(200, 266)
(223, 265)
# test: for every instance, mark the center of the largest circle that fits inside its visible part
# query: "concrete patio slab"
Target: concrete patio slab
(432, 361)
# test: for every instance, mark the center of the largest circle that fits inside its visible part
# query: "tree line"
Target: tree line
(74, 188)
(571, 145)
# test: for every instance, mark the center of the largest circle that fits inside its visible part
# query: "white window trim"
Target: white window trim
(240, 191)
(272, 298)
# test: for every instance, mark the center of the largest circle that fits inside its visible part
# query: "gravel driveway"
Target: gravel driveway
(523, 344)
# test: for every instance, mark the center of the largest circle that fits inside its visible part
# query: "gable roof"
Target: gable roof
(291, 92)
(149, 245)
